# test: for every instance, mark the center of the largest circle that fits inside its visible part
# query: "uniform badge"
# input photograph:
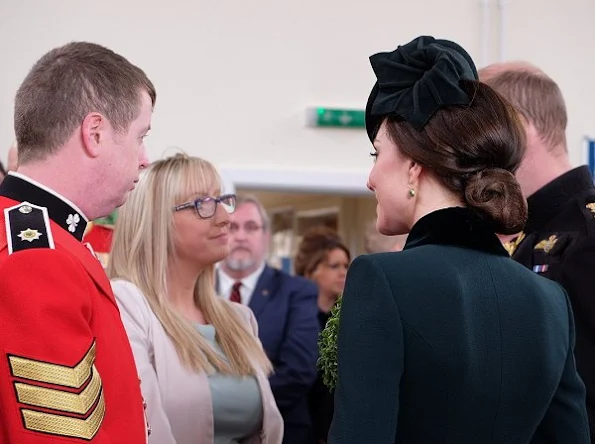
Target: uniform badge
(72, 221)
(512, 245)
(547, 244)
(591, 207)
(540, 268)
(27, 226)
(29, 235)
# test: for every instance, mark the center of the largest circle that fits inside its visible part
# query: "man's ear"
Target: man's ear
(93, 132)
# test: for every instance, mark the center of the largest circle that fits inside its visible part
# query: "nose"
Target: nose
(143, 159)
(221, 216)
(370, 187)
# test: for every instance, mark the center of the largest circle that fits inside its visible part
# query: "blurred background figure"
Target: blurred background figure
(13, 158)
(203, 371)
(11, 164)
(322, 257)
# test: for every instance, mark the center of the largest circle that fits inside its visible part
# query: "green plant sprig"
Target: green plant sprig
(327, 346)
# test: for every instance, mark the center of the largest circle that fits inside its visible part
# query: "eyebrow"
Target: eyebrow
(146, 129)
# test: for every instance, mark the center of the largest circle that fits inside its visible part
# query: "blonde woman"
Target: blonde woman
(203, 370)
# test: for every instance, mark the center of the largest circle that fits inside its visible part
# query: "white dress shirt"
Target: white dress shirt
(248, 284)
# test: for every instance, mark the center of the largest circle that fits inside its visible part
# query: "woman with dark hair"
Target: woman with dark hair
(450, 340)
(322, 257)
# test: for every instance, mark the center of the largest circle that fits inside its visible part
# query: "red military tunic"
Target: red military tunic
(67, 374)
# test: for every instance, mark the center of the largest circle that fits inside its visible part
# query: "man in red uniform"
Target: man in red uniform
(67, 373)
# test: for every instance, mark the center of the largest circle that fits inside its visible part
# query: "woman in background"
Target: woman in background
(202, 368)
(322, 257)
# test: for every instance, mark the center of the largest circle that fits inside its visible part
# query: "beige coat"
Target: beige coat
(179, 408)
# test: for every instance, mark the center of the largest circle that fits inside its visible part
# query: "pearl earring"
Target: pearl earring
(411, 192)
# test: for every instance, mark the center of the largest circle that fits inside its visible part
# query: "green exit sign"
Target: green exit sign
(336, 117)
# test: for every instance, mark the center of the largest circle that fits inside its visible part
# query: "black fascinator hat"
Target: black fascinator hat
(415, 80)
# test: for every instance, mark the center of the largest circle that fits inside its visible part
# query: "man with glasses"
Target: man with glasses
(286, 311)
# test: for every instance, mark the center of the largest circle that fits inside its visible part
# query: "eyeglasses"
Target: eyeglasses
(207, 206)
(249, 227)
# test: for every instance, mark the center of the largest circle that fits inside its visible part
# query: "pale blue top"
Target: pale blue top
(237, 401)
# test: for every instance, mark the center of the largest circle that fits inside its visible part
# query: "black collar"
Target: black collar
(455, 226)
(548, 201)
(64, 214)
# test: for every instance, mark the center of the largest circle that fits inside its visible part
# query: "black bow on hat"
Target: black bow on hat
(415, 80)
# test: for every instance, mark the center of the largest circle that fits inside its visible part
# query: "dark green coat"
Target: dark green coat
(453, 342)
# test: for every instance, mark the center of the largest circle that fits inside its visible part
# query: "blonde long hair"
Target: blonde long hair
(142, 244)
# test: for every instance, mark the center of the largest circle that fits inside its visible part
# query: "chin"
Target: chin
(239, 264)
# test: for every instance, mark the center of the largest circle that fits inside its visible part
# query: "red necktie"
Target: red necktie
(235, 295)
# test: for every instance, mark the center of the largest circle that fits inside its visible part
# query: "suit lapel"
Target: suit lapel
(263, 291)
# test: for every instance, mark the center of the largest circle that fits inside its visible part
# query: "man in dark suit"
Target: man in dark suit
(558, 241)
(285, 308)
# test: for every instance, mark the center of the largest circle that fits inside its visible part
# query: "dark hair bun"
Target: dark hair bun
(496, 196)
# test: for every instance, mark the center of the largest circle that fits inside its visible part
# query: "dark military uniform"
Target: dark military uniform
(67, 374)
(559, 243)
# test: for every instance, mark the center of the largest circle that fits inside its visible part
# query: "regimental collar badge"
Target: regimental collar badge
(29, 235)
(512, 245)
(547, 244)
(72, 221)
(591, 207)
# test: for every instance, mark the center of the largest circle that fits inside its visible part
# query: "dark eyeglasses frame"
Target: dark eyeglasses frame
(196, 204)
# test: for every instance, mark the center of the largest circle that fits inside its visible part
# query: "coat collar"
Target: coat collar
(546, 202)
(456, 226)
(64, 213)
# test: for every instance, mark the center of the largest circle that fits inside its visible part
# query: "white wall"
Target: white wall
(234, 77)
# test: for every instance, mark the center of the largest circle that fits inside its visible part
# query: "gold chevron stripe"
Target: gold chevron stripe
(64, 425)
(60, 400)
(55, 374)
